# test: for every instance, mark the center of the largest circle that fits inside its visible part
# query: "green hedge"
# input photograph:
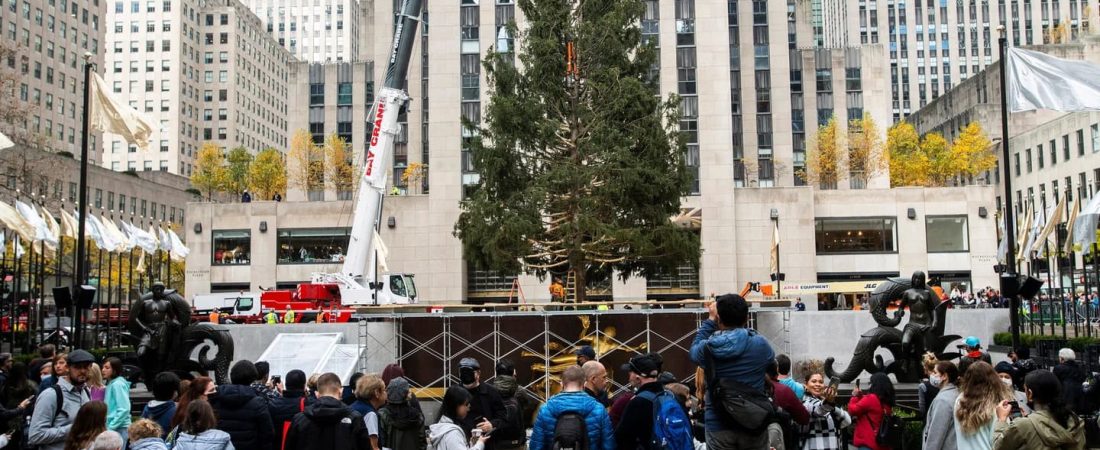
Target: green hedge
(1028, 340)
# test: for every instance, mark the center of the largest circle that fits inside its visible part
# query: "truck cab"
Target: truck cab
(239, 306)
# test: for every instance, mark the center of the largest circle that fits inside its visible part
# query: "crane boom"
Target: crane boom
(359, 268)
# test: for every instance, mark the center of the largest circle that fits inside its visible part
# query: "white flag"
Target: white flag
(55, 229)
(1053, 218)
(112, 116)
(1084, 228)
(775, 249)
(1037, 80)
(383, 253)
(155, 236)
(15, 222)
(141, 238)
(91, 231)
(3, 249)
(122, 243)
(5, 142)
(41, 229)
(179, 251)
(165, 241)
(69, 225)
(18, 248)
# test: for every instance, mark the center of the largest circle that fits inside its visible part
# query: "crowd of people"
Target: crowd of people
(745, 397)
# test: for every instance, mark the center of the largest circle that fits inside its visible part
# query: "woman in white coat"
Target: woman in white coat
(446, 434)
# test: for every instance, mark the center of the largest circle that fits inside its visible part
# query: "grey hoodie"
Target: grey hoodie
(446, 435)
(207, 440)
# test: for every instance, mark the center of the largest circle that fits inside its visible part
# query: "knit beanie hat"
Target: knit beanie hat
(398, 390)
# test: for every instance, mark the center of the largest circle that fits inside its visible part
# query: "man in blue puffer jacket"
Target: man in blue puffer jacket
(573, 399)
(738, 353)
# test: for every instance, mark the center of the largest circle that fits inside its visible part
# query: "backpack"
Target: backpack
(570, 432)
(287, 423)
(57, 412)
(890, 431)
(513, 433)
(738, 405)
(671, 426)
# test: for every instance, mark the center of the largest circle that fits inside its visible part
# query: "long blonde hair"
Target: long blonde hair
(95, 376)
(980, 393)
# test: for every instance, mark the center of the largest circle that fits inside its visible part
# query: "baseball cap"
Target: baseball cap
(973, 342)
(586, 351)
(469, 363)
(648, 365)
(80, 357)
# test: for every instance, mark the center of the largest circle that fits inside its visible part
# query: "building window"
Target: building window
(947, 234)
(317, 94)
(343, 94)
(312, 245)
(855, 235)
(231, 247)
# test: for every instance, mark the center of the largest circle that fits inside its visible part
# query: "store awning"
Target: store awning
(834, 287)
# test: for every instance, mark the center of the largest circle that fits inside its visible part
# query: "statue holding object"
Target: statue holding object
(923, 333)
(161, 329)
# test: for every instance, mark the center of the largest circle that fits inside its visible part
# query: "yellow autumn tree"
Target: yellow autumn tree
(413, 176)
(942, 164)
(305, 168)
(866, 153)
(823, 157)
(209, 174)
(908, 164)
(267, 174)
(338, 165)
(973, 151)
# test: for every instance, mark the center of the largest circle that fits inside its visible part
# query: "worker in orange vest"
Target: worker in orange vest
(323, 317)
(214, 317)
(557, 291)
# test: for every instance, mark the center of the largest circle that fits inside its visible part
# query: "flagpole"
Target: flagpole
(79, 276)
(1010, 227)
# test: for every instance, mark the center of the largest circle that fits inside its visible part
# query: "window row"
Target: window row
(295, 246)
(943, 234)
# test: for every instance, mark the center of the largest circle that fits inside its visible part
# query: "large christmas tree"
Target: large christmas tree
(581, 166)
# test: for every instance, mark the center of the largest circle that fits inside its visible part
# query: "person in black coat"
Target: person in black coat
(636, 427)
(293, 401)
(328, 423)
(242, 413)
(487, 410)
(1072, 376)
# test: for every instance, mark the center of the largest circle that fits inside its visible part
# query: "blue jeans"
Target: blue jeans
(736, 440)
(125, 437)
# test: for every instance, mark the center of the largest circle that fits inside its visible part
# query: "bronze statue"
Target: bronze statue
(923, 333)
(918, 335)
(160, 326)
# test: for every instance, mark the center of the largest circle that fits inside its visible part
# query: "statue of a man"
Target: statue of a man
(922, 304)
(158, 319)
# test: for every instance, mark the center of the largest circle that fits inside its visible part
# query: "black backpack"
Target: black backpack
(570, 433)
(513, 433)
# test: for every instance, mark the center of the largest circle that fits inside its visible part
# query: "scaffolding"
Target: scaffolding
(541, 344)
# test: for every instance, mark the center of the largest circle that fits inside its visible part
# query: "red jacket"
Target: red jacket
(867, 412)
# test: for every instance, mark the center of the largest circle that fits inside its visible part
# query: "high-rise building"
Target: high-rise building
(329, 99)
(1054, 155)
(49, 39)
(206, 70)
(314, 31)
(935, 44)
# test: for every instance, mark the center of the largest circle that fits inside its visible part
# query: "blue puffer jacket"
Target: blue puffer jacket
(600, 434)
(739, 353)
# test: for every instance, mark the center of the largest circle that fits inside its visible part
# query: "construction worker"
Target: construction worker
(288, 317)
(557, 291)
(214, 317)
(333, 315)
(271, 318)
(323, 317)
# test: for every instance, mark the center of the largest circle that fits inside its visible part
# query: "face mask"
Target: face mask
(1007, 381)
(934, 380)
(466, 376)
